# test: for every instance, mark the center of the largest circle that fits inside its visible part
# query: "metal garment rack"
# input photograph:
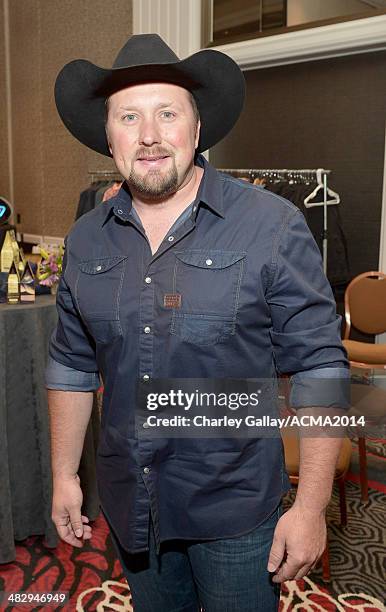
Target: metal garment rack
(100, 175)
(292, 176)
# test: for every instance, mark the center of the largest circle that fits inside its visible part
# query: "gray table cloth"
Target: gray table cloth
(25, 466)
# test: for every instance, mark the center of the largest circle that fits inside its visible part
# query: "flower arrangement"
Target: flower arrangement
(50, 267)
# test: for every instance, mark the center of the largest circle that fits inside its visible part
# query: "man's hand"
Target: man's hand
(298, 543)
(66, 511)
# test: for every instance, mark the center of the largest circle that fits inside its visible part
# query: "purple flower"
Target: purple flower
(51, 280)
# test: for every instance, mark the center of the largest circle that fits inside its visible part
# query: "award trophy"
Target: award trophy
(6, 253)
(13, 285)
(27, 284)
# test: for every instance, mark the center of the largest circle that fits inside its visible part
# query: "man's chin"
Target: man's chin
(154, 184)
(156, 194)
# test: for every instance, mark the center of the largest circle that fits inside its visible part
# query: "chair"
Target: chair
(291, 454)
(365, 310)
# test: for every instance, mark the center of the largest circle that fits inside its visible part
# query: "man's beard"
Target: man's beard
(154, 185)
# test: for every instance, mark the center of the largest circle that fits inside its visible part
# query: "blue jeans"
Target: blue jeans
(227, 575)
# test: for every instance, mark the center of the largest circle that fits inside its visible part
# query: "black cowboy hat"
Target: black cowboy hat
(214, 79)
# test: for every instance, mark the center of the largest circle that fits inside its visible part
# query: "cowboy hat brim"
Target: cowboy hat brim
(214, 79)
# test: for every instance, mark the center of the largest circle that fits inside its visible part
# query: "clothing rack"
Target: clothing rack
(292, 176)
(100, 175)
(259, 172)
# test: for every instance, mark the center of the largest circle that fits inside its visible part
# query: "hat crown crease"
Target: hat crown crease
(144, 49)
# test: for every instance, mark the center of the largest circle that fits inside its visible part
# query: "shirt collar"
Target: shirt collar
(209, 192)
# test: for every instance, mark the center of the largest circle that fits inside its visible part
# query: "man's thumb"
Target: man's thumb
(76, 524)
(276, 554)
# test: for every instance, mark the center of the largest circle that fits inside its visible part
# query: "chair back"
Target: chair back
(365, 303)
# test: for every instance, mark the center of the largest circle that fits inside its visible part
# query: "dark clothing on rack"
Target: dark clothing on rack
(337, 254)
(92, 196)
(87, 199)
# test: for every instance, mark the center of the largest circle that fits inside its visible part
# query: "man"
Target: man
(186, 274)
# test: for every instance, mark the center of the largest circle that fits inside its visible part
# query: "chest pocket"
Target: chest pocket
(209, 284)
(98, 294)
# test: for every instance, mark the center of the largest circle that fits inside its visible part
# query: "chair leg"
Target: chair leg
(326, 574)
(342, 502)
(363, 469)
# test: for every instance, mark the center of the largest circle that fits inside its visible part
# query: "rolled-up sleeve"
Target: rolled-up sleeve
(322, 387)
(71, 345)
(305, 327)
(63, 378)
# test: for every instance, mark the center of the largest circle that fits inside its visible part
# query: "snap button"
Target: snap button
(98, 268)
(147, 329)
(145, 425)
(119, 211)
(148, 280)
(209, 262)
(171, 238)
(146, 377)
(146, 470)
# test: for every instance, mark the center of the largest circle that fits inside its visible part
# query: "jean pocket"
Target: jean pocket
(202, 330)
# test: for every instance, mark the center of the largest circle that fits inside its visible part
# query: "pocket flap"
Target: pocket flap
(210, 259)
(97, 266)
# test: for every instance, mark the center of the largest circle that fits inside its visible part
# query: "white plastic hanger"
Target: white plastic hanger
(335, 198)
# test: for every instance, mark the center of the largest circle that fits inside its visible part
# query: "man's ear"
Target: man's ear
(197, 136)
(108, 141)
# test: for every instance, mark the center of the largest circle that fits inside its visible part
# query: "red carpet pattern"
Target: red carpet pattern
(71, 570)
(296, 595)
(93, 576)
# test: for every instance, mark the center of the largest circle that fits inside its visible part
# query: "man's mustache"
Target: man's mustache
(141, 153)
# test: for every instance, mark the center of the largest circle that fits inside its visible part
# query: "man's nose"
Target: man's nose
(149, 133)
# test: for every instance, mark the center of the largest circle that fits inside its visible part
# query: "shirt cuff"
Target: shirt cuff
(321, 387)
(63, 378)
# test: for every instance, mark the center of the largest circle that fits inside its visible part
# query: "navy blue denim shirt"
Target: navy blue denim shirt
(255, 303)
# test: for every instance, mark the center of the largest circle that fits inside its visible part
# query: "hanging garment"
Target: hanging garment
(95, 194)
(87, 198)
(338, 270)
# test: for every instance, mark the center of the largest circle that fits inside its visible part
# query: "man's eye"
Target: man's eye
(168, 114)
(128, 118)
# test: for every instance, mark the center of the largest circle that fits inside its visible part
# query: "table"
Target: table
(25, 466)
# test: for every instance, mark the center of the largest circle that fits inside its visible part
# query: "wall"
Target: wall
(4, 167)
(177, 21)
(328, 113)
(50, 166)
(305, 11)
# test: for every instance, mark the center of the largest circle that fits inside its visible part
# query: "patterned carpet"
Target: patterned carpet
(357, 551)
(94, 578)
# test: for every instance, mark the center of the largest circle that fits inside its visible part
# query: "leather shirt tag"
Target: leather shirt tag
(172, 300)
